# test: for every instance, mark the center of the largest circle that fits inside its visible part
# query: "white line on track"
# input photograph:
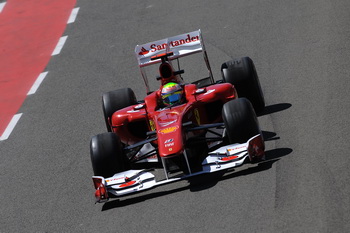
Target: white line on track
(73, 15)
(2, 5)
(37, 83)
(10, 127)
(59, 45)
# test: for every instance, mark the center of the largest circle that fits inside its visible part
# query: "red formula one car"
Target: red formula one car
(185, 129)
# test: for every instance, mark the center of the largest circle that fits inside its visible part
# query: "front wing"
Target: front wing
(132, 181)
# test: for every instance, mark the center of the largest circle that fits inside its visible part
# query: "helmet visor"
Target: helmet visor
(172, 98)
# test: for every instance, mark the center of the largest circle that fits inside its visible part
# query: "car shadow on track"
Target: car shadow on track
(274, 108)
(204, 181)
(269, 136)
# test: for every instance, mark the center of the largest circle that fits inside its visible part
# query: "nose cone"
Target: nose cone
(169, 131)
(170, 141)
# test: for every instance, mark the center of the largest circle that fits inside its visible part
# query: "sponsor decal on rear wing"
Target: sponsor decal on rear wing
(181, 45)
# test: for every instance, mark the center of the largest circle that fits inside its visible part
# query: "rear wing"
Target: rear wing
(180, 45)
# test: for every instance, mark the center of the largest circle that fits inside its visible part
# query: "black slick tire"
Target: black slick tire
(242, 74)
(240, 120)
(107, 155)
(115, 100)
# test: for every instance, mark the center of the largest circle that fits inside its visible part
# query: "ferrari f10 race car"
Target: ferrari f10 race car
(185, 129)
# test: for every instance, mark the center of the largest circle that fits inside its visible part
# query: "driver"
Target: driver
(172, 94)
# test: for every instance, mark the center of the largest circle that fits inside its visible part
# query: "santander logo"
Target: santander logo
(143, 51)
(157, 47)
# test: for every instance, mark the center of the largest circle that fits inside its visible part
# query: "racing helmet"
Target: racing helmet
(171, 94)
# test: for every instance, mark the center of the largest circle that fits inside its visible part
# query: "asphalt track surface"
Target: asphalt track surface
(301, 50)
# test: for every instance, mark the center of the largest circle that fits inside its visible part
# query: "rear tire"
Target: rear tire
(107, 155)
(242, 74)
(240, 120)
(115, 100)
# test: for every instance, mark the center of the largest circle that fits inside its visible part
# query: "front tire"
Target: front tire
(240, 120)
(107, 155)
(115, 100)
(242, 74)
